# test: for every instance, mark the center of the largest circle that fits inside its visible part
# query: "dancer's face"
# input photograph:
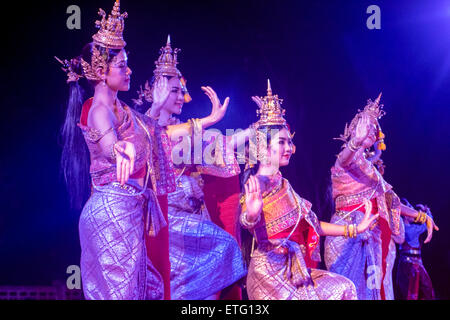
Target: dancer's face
(175, 100)
(118, 76)
(281, 148)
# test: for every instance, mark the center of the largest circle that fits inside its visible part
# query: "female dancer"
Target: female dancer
(359, 188)
(204, 258)
(129, 155)
(285, 228)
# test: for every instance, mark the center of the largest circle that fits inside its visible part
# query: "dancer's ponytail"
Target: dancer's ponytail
(75, 154)
(75, 159)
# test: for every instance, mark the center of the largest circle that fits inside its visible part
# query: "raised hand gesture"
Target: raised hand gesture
(218, 110)
(253, 198)
(362, 129)
(160, 94)
(258, 101)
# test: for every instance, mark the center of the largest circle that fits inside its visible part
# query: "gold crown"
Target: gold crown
(110, 34)
(270, 113)
(166, 65)
(373, 109)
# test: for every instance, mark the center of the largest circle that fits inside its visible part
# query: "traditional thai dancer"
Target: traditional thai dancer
(286, 230)
(412, 281)
(130, 164)
(358, 188)
(204, 258)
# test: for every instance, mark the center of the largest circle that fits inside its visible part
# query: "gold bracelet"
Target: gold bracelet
(247, 224)
(351, 146)
(113, 152)
(355, 231)
(420, 217)
(424, 218)
(345, 231)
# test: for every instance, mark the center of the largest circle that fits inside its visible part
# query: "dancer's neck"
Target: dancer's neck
(268, 170)
(164, 117)
(105, 96)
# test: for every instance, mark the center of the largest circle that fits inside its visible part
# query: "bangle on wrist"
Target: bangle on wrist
(421, 217)
(352, 147)
(355, 231)
(113, 152)
(247, 224)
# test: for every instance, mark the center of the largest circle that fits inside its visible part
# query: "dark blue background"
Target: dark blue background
(320, 57)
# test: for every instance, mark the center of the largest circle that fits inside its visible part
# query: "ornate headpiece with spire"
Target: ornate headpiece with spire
(110, 34)
(166, 65)
(270, 112)
(373, 109)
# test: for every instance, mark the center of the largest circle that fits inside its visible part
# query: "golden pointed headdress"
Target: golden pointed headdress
(270, 112)
(373, 109)
(166, 65)
(110, 34)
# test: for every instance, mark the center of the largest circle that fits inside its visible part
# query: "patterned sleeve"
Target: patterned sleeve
(105, 140)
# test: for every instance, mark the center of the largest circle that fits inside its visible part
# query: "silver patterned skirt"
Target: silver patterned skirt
(204, 258)
(360, 258)
(114, 262)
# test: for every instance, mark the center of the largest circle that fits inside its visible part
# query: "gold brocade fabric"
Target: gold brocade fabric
(277, 269)
(361, 181)
(282, 209)
(281, 274)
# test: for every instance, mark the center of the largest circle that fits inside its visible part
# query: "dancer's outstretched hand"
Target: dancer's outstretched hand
(258, 101)
(431, 226)
(253, 198)
(125, 157)
(367, 221)
(218, 110)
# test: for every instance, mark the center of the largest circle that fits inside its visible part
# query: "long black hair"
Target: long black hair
(75, 154)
